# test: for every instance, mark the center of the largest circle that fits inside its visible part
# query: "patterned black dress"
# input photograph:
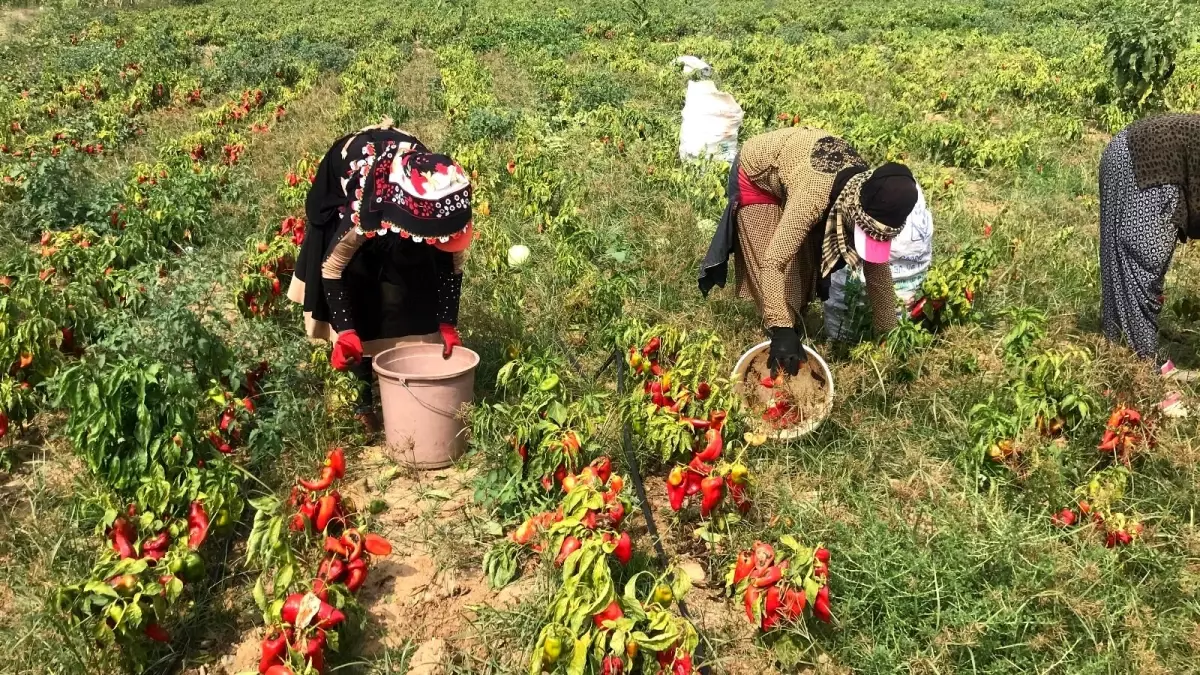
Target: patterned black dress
(1139, 229)
(386, 287)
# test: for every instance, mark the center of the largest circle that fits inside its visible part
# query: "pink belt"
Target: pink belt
(750, 194)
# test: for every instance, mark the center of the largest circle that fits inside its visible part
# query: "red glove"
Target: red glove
(450, 338)
(347, 351)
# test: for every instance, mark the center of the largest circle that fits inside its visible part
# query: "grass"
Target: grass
(934, 570)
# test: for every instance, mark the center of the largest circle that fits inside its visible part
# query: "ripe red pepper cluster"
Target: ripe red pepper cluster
(704, 477)
(775, 588)
(123, 538)
(316, 504)
(1118, 529)
(235, 419)
(1124, 433)
(122, 535)
(781, 412)
(269, 263)
(593, 517)
(347, 557)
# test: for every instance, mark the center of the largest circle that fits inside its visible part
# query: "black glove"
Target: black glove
(786, 353)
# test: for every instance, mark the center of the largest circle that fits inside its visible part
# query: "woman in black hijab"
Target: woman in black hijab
(388, 226)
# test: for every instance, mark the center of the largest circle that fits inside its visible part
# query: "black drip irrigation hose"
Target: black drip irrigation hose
(635, 475)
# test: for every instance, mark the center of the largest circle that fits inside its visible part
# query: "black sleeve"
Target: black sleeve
(449, 289)
(340, 314)
(326, 197)
(337, 295)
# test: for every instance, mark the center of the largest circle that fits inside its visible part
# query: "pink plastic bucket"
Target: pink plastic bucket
(422, 396)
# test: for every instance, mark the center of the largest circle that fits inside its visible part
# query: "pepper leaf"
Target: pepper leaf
(260, 596)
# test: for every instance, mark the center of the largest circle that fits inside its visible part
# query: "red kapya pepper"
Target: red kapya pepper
(715, 444)
(602, 466)
(682, 665)
(612, 665)
(1064, 518)
(716, 419)
(327, 507)
(122, 535)
(701, 469)
(623, 551)
(279, 670)
(652, 346)
(743, 567)
(335, 467)
(274, 650)
(589, 520)
(570, 544)
(309, 508)
(320, 589)
(615, 485)
(616, 513)
(335, 545)
(676, 487)
(656, 394)
(297, 523)
(157, 633)
(821, 605)
(227, 418)
(219, 443)
(751, 597)
(764, 556)
(793, 603)
(158, 542)
(197, 525)
(524, 532)
(666, 657)
(610, 613)
(376, 545)
(772, 603)
(331, 570)
(353, 541)
(712, 490)
(767, 577)
(314, 651)
(356, 575)
(328, 616)
(703, 391)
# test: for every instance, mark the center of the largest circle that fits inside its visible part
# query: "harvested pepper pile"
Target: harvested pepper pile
(302, 625)
(784, 401)
(777, 586)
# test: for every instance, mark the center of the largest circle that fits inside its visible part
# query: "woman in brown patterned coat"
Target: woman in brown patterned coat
(1149, 202)
(803, 204)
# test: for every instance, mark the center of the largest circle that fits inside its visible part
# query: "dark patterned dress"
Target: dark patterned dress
(380, 283)
(1139, 228)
